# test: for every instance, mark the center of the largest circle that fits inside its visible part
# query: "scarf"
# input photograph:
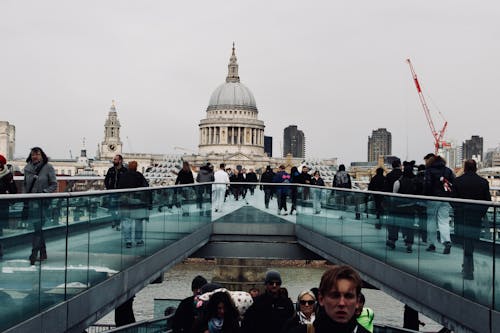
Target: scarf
(304, 320)
(215, 325)
(324, 324)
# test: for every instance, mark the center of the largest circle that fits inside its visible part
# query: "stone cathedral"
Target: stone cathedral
(231, 132)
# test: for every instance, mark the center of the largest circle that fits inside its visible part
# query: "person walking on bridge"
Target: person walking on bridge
(205, 175)
(221, 180)
(136, 204)
(267, 177)
(39, 177)
(468, 217)
(7, 186)
(185, 176)
(269, 311)
(111, 182)
(438, 181)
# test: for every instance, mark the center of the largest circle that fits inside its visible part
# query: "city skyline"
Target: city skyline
(336, 70)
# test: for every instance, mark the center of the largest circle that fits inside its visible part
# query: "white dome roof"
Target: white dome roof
(232, 93)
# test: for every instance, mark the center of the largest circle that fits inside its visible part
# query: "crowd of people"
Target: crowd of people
(431, 218)
(336, 305)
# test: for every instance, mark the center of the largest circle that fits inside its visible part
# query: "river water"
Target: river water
(296, 277)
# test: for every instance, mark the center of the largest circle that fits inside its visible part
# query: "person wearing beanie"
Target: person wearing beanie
(39, 177)
(185, 314)
(269, 311)
(7, 186)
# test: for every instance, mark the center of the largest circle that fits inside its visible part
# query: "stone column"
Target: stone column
(240, 274)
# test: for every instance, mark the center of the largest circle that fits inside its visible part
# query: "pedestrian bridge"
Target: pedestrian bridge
(91, 269)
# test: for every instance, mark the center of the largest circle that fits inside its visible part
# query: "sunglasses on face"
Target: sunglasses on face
(274, 283)
(306, 302)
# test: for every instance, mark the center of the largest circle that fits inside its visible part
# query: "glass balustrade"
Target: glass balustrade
(93, 235)
(409, 233)
(58, 245)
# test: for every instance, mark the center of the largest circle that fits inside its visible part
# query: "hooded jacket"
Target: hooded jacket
(436, 169)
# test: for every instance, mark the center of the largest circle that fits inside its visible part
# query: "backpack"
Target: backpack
(341, 179)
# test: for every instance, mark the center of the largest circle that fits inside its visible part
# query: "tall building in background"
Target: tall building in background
(379, 144)
(231, 125)
(112, 143)
(7, 139)
(473, 148)
(268, 145)
(294, 142)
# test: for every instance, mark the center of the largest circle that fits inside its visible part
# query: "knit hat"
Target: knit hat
(273, 276)
(3, 160)
(198, 282)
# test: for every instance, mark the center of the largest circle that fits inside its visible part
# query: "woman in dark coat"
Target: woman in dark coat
(7, 186)
(220, 316)
(39, 177)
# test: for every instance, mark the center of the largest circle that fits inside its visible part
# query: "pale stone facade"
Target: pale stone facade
(231, 130)
(7, 139)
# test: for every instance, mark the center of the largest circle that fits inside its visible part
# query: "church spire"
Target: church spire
(232, 74)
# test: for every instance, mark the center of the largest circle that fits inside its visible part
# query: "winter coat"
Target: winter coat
(433, 185)
(468, 217)
(317, 182)
(342, 180)
(391, 178)
(135, 179)
(252, 177)
(282, 177)
(304, 178)
(184, 316)
(377, 183)
(44, 182)
(206, 175)
(7, 184)
(113, 177)
(267, 314)
(184, 177)
(267, 177)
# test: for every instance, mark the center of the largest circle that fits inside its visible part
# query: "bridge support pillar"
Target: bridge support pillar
(240, 274)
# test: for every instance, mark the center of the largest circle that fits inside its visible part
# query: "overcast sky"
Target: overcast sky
(334, 68)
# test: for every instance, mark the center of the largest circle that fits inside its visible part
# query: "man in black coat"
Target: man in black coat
(267, 177)
(468, 217)
(269, 311)
(304, 178)
(184, 316)
(251, 178)
(134, 204)
(111, 182)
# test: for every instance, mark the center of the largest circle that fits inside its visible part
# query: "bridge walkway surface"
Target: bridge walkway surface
(90, 270)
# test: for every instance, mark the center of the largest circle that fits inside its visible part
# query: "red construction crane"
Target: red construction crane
(438, 136)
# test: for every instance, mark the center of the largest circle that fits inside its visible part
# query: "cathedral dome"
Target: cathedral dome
(232, 94)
